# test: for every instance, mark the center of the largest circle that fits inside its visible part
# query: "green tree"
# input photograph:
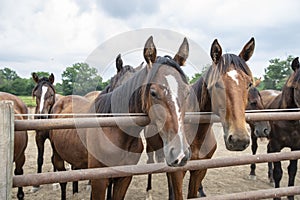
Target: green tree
(277, 72)
(196, 76)
(80, 79)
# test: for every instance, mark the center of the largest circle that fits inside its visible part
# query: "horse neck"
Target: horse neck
(127, 97)
(202, 96)
(287, 98)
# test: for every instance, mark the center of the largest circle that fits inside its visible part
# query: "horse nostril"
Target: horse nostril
(266, 131)
(230, 139)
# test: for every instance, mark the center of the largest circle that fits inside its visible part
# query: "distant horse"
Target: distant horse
(286, 133)
(67, 145)
(259, 129)
(160, 90)
(223, 90)
(45, 96)
(92, 95)
(20, 137)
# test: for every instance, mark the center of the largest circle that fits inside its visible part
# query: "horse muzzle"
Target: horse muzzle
(179, 160)
(237, 141)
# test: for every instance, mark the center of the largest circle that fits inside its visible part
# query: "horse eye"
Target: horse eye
(254, 103)
(218, 85)
(153, 93)
(250, 84)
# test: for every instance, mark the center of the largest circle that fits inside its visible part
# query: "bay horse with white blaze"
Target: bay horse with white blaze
(223, 90)
(44, 94)
(286, 133)
(20, 137)
(160, 90)
(66, 143)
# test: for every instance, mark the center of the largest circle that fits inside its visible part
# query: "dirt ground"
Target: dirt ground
(217, 181)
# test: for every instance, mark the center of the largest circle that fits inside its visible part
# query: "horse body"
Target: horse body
(66, 143)
(69, 144)
(44, 93)
(259, 129)
(151, 90)
(20, 137)
(286, 133)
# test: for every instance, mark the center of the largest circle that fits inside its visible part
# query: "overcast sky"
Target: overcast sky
(54, 34)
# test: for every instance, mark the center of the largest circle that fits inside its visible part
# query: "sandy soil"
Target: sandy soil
(217, 181)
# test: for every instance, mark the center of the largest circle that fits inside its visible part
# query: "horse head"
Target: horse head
(165, 93)
(44, 93)
(228, 81)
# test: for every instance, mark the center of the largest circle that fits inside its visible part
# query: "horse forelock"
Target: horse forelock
(43, 81)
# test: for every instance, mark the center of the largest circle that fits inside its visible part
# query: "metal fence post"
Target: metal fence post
(6, 148)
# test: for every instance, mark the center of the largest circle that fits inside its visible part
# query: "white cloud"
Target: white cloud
(51, 35)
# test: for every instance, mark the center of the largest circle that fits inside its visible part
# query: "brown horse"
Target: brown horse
(92, 95)
(259, 129)
(286, 133)
(160, 90)
(20, 138)
(223, 90)
(67, 145)
(45, 96)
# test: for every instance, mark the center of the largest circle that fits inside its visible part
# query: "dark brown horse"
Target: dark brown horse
(67, 145)
(20, 138)
(44, 93)
(223, 90)
(259, 129)
(286, 133)
(160, 90)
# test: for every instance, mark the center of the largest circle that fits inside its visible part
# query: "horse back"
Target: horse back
(271, 98)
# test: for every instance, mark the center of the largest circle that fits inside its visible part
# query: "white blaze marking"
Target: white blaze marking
(233, 74)
(173, 85)
(44, 91)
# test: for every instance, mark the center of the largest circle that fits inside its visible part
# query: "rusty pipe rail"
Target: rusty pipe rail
(92, 122)
(130, 170)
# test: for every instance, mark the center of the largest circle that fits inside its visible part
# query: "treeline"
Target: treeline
(80, 79)
(276, 74)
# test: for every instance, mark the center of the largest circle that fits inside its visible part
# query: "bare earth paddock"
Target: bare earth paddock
(217, 181)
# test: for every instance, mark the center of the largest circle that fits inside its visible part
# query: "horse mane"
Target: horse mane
(203, 97)
(225, 62)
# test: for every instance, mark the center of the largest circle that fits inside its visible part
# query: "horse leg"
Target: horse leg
(177, 182)
(99, 188)
(120, 187)
(254, 149)
(270, 168)
(19, 171)
(109, 190)
(40, 142)
(201, 191)
(59, 164)
(170, 188)
(277, 174)
(75, 183)
(196, 177)
(292, 170)
(150, 159)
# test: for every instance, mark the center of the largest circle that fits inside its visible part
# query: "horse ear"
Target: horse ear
(215, 51)
(119, 63)
(183, 52)
(51, 78)
(257, 82)
(150, 51)
(248, 50)
(35, 77)
(295, 64)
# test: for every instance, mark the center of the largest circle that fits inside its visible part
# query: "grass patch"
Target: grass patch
(28, 100)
